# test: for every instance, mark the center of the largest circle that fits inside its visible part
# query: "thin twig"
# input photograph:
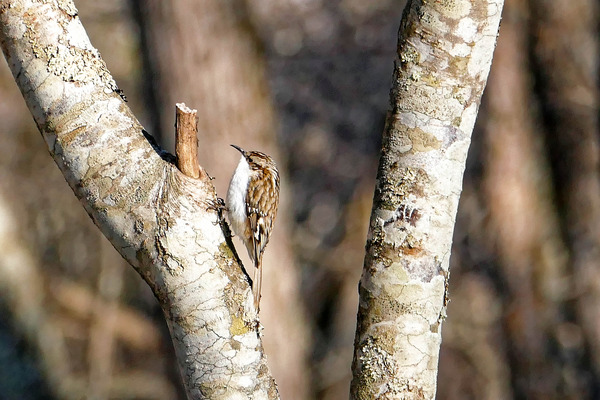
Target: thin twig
(186, 140)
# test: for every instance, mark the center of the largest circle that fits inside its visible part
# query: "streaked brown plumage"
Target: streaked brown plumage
(252, 201)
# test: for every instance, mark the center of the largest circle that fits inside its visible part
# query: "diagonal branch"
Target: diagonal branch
(156, 217)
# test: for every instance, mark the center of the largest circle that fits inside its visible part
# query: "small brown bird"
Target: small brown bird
(252, 201)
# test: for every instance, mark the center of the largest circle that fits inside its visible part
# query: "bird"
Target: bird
(252, 202)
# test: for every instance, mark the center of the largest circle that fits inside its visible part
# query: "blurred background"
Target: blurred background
(308, 82)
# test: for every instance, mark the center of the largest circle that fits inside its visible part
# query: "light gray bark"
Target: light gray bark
(156, 217)
(444, 56)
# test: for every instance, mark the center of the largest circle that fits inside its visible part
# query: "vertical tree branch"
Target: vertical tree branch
(444, 55)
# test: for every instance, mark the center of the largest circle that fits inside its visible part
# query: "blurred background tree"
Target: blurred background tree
(522, 321)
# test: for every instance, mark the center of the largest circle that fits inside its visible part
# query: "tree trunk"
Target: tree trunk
(157, 218)
(444, 56)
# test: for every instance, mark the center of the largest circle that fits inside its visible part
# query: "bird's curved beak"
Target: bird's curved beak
(238, 148)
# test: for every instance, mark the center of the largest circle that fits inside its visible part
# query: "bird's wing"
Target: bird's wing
(261, 209)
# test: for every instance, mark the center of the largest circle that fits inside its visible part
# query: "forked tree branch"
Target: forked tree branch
(444, 55)
(155, 216)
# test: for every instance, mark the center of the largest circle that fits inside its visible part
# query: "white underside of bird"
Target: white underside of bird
(236, 198)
